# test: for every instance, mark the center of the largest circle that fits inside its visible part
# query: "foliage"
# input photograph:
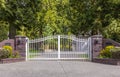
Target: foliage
(9, 48)
(35, 51)
(106, 53)
(15, 54)
(12, 54)
(39, 18)
(4, 53)
(110, 52)
(113, 30)
(3, 30)
(115, 53)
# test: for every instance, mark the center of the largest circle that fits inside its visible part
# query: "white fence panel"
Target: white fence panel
(59, 47)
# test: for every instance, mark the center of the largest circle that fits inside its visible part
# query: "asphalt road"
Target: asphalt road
(58, 69)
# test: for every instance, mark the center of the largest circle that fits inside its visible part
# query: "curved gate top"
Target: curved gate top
(59, 47)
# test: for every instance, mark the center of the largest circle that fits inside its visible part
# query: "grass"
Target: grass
(35, 51)
(75, 55)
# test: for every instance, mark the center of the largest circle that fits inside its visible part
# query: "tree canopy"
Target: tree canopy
(37, 18)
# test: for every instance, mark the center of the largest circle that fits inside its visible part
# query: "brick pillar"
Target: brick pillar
(96, 45)
(20, 44)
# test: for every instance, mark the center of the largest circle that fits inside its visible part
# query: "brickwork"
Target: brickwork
(107, 42)
(20, 44)
(12, 60)
(96, 45)
(9, 42)
(107, 61)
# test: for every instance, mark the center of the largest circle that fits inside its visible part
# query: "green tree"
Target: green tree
(36, 18)
(91, 17)
(3, 30)
(113, 30)
(53, 16)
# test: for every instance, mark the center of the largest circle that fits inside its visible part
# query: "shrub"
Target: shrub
(4, 54)
(16, 54)
(9, 48)
(115, 53)
(106, 53)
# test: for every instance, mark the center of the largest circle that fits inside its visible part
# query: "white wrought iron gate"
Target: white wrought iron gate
(59, 47)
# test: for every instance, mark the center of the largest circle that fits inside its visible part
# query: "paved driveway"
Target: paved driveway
(58, 69)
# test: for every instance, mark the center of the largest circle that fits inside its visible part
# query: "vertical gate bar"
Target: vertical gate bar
(88, 51)
(27, 48)
(69, 43)
(72, 43)
(62, 44)
(50, 47)
(78, 46)
(32, 53)
(90, 48)
(34, 48)
(53, 44)
(58, 46)
(44, 44)
(84, 51)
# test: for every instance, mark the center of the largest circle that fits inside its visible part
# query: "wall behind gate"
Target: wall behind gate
(9, 42)
(18, 44)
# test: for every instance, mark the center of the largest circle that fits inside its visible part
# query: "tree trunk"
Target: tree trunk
(40, 32)
(12, 31)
